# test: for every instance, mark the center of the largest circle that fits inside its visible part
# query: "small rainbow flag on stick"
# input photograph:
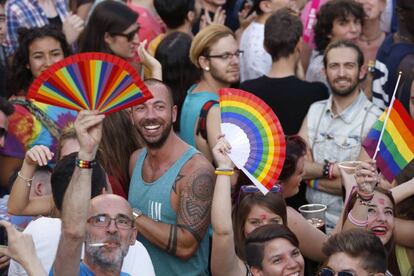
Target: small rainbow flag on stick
(391, 140)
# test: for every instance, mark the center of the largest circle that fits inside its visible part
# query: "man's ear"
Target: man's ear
(299, 45)
(174, 113)
(204, 63)
(255, 271)
(363, 72)
(191, 17)
(38, 189)
(133, 237)
(265, 6)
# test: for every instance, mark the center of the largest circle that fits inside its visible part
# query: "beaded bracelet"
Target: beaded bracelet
(357, 222)
(325, 170)
(84, 164)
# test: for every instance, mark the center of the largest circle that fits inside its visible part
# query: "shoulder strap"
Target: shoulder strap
(39, 114)
(365, 119)
(202, 120)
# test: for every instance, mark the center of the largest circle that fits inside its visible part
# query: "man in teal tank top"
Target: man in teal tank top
(215, 52)
(171, 190)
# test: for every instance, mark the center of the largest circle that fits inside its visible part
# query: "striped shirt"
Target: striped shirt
(28, 14)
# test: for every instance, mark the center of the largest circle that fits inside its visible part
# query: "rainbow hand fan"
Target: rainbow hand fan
(255, 135)
(91, 81)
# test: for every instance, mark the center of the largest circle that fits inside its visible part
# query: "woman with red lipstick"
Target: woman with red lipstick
(403, 193)
(375, 212)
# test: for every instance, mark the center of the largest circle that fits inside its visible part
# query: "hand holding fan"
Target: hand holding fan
(91, 81)
(255, 135)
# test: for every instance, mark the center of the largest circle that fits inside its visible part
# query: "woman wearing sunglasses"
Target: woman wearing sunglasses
(354, 253)
(253, 209)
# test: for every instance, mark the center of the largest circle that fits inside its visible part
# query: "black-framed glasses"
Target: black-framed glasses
(252, 189)
(3, 132)
(129, 36)
(104, 220)
(326, 271)
(227, 56)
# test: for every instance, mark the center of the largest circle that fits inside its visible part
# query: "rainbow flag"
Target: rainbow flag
(397, 143)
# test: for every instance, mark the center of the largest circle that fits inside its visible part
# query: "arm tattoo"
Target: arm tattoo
(172, 240)
(195, 203)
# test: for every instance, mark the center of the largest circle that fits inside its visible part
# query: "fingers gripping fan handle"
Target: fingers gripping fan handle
(255, 135)
(91, 81)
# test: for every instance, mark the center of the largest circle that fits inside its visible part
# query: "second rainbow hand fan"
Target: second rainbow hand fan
(255, 135)
(91, 81)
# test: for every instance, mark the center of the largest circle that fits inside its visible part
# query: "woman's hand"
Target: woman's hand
(38, 156)
(366, 177)
(220, 153)
(149, 61)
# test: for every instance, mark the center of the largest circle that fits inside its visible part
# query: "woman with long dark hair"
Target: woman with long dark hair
(33, 123)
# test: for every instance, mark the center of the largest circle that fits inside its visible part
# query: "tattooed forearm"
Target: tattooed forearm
(195, 203)
(172, 240)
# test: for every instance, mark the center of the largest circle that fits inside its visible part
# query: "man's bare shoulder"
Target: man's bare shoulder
(196, 163)
(133, 160)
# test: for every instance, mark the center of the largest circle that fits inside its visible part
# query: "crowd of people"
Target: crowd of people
(151, 189)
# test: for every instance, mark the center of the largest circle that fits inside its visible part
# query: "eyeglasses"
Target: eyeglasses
(227, 56)
(3, 132)
(251, 189)
(326, 271)
(104, 220)
(129, 36)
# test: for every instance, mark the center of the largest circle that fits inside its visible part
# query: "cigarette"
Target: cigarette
(97, 244)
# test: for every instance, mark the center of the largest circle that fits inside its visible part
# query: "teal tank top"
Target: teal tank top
(153, 199)
(190, 112)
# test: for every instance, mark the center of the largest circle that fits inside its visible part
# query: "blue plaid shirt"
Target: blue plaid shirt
(28, 13)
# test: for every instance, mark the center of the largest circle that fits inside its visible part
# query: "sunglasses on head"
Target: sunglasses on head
(252, 189)
(326, 271)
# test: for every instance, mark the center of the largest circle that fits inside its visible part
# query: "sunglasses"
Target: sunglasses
(3, 132)
(326, 271)
(129, 36)
(252, 189)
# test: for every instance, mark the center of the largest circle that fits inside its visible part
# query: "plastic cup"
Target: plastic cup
(347, 169)
(349, 166)
(315, 215)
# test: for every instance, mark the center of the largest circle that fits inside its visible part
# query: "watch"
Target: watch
(136, 213)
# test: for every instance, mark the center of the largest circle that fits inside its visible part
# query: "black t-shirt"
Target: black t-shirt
(289, 97)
